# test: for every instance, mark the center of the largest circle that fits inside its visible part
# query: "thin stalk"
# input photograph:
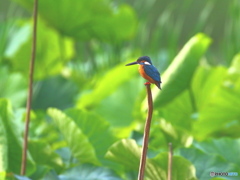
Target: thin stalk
(30, 87)
(170, 155)
(146, 133)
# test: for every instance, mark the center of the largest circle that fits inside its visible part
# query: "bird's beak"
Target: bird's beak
(132, 63)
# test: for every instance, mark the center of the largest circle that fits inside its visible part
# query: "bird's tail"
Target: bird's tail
(158, 84)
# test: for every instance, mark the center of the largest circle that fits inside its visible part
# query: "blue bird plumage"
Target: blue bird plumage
(148, 71)
(152, 72)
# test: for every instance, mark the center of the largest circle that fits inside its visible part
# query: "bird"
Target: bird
(147, 70)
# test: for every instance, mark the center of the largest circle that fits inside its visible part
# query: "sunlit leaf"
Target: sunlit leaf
(13, 86)
(52, 52)
(126, 94)
(11, 151)
(94, 128)
(221, 110)
(235, 66)
(181, 169)
(178, 76)
(216, 93)
(85, 20)
(106, 85)
(44, 155)
(77, 141)
(205, 82)
(127, 153)
(175, 134)
(179, 111)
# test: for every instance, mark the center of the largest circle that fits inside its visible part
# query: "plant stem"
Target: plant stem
(30, 86)
(146, 133)
(170, 155)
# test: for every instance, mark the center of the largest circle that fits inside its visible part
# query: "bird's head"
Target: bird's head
(144, 60)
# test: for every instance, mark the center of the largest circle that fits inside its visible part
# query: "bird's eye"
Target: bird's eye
(147, 63)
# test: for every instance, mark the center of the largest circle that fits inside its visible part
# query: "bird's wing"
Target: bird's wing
(151, 71)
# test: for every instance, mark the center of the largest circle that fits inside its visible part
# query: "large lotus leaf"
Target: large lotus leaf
(181, 168)
(59, 92)
(95, 129)
(221, 111)
(86, 19)
(52, 50)
(206, 163)
(88, 171)
(10, 144)
(106, 86)
(84, 172)
(77, 141)
(178, 136)
(127, 153)
(43, 154)
(114, 102)
(214, 156)
(205, 83)
(216, 92)
(179, 111)
(178, 76)
(221, 147)
(13, 86)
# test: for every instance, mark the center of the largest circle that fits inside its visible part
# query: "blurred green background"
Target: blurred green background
(89, 110)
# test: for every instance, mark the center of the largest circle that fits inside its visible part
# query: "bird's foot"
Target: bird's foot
(147, 83)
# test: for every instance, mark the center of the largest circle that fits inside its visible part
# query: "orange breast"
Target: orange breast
(144, 75)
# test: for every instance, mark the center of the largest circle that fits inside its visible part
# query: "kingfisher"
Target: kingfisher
(148, 71)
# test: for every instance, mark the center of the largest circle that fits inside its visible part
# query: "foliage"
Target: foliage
(88, 109)
(186, 62)
(10, 143)
(48, 42)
